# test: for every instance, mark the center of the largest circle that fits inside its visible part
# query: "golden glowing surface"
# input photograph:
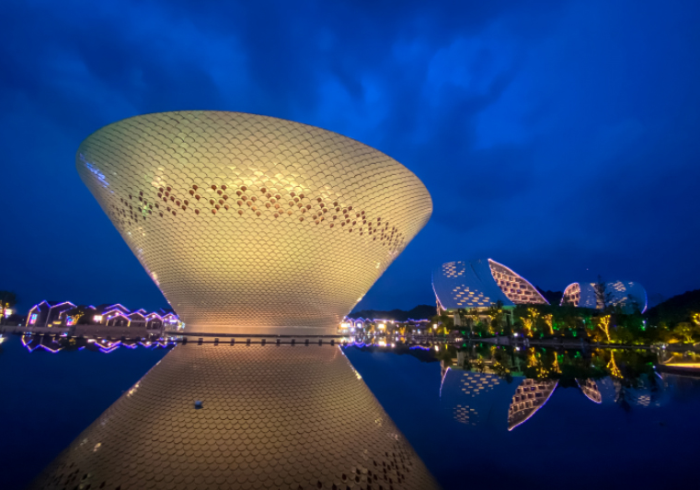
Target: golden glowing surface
(271, 418)
(251, 223)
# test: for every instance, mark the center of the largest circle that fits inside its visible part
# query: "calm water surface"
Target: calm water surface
(637, 429)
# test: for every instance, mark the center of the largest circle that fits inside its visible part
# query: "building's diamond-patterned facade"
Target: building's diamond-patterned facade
(477, 384)
(453, 269)
(249, 222)
(466, 298)
(272, 417)
(572, 295)
(529, 397)
(466, 415)
(514, 286)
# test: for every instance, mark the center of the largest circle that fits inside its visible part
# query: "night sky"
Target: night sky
(561, 138)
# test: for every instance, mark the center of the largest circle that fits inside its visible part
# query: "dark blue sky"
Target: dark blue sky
(558, 137)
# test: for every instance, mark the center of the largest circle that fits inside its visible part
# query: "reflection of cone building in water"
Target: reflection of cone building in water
(529, 397)
(271, 417)
(590, 388)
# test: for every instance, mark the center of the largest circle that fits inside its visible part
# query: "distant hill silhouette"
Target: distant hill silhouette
(554, 297)
(676, 309)
(419, 312)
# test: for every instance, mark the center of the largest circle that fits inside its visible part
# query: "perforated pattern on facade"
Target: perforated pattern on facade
(572, 295)
(248, 221)
(271, 417)
(529, 397)
(514, 286)
(466, 298)
(466, 415)
(477, 384)
(481, 283)
(453, 269)
(589, 387)
(627, 295)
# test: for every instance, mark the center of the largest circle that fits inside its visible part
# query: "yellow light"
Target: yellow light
(382, 326)
(612, 366)
(604, 324)
(97, 318)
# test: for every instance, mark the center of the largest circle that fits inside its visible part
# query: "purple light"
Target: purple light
(118, 304)
(442, 381)
(49, 349)
(419, 347)
(39, 344)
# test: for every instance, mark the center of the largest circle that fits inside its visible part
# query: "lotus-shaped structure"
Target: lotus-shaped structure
(480, 284)
(629, 296)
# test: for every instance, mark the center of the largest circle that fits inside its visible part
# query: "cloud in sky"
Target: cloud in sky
(559, 138)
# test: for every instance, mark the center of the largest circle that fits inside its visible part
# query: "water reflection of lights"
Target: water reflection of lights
(105, 346)
(37, 345)
(442, 381)
(421, 347)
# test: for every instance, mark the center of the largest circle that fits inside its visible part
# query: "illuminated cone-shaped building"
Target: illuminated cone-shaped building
(249, 223)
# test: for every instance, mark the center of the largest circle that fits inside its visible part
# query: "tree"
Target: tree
(529, 320)
(444, 322)
(549, 321)
(8, 299)
(686, 331)
(604, 325)
(495, 314)
(603, 297)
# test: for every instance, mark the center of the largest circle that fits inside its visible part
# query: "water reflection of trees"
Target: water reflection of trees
(632, 368)
(627, 378)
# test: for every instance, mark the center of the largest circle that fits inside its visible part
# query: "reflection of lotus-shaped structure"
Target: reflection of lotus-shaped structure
(590, 388)
(473, 397)
(529, 397)
(253, 223)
